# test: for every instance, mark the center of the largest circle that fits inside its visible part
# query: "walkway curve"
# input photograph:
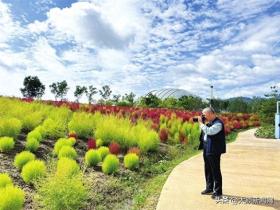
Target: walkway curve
(250, 169)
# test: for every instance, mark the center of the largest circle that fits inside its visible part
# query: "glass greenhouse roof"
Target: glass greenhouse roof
(171, 93)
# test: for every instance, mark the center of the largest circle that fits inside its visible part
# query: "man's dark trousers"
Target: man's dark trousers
(212, 172)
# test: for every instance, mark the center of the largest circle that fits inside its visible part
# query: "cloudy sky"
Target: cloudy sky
(142, 45)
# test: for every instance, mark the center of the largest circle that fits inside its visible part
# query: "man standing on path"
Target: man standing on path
(212, 141)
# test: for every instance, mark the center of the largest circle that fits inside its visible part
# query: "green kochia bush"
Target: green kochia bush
(32, 144)
(111, 164)
(62, 192)
(33, 171)
(23, 158)
(63, 142)
(11, 198)
(92, 157)
(6, 144)
(131, 161)
(68, 152)
(193, 137)
(35, 134)
(32, 120)
(53, 128)
(5, 180)
(103, 151)
(67, 167)
(10, 127)
(83, 124)
(113, 128)
(147, 140)
(99, 142)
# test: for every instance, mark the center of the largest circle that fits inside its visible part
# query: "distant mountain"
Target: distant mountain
(246, 99)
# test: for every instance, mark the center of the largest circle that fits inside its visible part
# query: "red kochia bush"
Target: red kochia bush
(91, 143)
(163, 134)
(114, 148)
(72, 134)
(236, 124)
(182, 138)
(135, 150)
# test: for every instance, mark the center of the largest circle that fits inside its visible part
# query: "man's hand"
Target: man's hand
(199, 119)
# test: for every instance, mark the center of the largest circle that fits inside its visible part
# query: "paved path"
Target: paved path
(250, 169)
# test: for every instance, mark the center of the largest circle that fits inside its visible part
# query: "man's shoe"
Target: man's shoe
(216, 196)
(206, 192)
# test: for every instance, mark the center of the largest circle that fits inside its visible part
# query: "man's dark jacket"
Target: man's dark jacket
(216, 144)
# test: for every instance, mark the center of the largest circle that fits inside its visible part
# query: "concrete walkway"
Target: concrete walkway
(250, 169)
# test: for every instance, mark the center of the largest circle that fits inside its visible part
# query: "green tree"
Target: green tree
(268, 106)
(150, 100)
(130, 98)
(267, 110)
(238, 105)
(80, 90)
(169, 102)
(33, 87)
(116, 98)
(192, 103)
(220, 104)
(105, 92)
(90, 93)
(59, 89)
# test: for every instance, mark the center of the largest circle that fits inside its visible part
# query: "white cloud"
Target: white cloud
(8, 27)
(137, 45)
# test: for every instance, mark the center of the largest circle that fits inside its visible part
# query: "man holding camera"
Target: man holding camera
(212, 141)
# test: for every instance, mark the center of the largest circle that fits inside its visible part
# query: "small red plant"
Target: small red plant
(134, 150)
(163, 135)
(91, 143)
(114, 148)
(182, 138)
(155, 126)
(72, 134)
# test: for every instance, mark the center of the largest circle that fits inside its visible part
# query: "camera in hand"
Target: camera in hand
(195, 119)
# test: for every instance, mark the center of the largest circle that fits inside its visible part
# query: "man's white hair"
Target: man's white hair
(208, 109)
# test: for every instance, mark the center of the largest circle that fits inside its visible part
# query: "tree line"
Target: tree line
(34, 88)
(264, 106)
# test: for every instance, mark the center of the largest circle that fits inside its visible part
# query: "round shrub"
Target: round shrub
(10, 127)
(111, 164)
(99, 142)
(33, 170)
(114, 148)
(91, 143)
(62, 142)
(32, 144)
(131, 161)
(149, 142)
(6, 144)
(72, 193)
(53, 128)
(68, 152)
(135, 150)
(103, 151)
(72, 140)
(35, 134)
(82, 124)
(23, 158)
(92, 157)
(31, 120)
(11, 198)
(5, 180)
(67, 167)
(72, 134)
(39, 129)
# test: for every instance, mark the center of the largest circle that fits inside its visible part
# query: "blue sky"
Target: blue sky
(139, 46)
